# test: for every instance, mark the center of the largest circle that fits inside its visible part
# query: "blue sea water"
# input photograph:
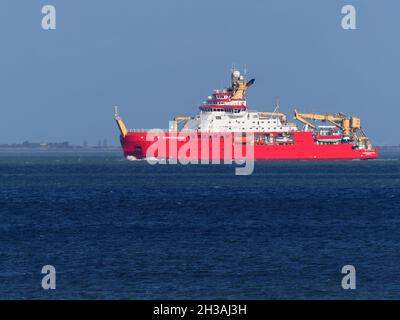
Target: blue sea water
(116, 229)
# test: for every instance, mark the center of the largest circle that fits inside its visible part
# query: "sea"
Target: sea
(118, 229)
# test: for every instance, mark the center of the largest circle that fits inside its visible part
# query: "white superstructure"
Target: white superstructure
(226, 111)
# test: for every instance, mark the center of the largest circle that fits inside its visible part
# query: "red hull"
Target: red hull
(303, 147)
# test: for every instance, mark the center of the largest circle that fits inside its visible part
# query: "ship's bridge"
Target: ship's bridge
(222, 101)
(231, 99)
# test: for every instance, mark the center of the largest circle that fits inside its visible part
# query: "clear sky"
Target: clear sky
(158, 59)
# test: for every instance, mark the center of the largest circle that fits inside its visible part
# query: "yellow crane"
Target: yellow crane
(351, 126)
(120, 123)
(273, 114)
(177, 121)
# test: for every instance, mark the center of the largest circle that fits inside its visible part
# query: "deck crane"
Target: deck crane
(351, 126)
(179, 120)
(121, 125)
(280, 115)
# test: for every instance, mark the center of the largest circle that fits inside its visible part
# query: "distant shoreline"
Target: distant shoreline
(388, 148)
(65, 145)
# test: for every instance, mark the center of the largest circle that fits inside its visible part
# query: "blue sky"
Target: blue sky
(158, 59)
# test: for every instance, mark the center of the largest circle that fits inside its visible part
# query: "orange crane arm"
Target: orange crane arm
(340, 121)
(349, 125)
(274, 114)
(177, 121)
(120, 123)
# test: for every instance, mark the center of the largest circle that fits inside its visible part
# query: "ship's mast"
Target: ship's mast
(239, 85)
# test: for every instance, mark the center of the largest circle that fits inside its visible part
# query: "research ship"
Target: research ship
(225, 122)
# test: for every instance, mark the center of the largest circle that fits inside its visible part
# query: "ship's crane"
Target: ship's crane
(120, 123)
(177, 121)
(351, 126)
(280, 115)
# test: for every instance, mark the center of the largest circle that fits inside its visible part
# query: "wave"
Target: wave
(133, 158)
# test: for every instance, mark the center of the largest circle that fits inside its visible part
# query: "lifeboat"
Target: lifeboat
(328, 138)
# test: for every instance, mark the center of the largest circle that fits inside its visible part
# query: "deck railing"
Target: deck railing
(146, 130)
